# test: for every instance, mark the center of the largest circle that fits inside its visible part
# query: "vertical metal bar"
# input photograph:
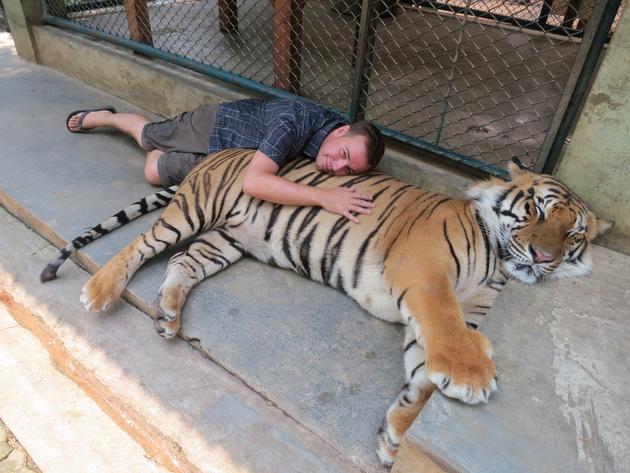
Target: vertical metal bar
(288, 44)
(228, 16)
(364, 51)
(544, 12)
(138, 20)
(594, 39)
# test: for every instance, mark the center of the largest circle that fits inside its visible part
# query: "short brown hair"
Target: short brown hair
(373, 140)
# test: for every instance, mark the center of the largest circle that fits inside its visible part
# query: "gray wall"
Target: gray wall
(596, 164)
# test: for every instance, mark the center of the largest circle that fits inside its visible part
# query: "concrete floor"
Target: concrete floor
(561, 351)
(502, 92)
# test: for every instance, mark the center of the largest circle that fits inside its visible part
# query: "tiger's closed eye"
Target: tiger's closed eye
(532, 211)
(574, 237)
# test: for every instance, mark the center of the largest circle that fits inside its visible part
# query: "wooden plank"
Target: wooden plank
(412, 458)
(138, 20)
(287, 44)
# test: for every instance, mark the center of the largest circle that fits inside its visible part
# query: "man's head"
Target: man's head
(350, 149)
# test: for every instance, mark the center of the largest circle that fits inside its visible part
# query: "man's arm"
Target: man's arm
(261, 181)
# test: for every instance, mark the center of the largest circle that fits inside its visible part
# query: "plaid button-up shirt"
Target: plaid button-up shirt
(281, 129)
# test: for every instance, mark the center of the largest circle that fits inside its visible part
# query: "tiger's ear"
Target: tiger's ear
(517, 168)
(597, 226)
(603, 225)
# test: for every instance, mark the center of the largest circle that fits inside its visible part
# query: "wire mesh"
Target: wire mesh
(482, 78)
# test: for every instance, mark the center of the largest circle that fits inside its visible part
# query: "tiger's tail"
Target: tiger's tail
(137, 209)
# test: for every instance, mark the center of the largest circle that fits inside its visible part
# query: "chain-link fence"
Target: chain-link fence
(479, 78)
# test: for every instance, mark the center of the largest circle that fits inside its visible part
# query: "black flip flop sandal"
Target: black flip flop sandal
(84, 113)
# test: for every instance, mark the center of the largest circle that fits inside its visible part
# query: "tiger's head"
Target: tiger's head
(539, 228)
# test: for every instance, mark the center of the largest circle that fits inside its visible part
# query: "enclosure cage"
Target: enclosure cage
(475, 81)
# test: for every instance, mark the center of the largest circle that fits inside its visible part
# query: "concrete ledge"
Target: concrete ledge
(414, 457)
(153, 85)
(62, 429)
(561, 356)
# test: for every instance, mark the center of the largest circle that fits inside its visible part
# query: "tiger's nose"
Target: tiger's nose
(539, 255)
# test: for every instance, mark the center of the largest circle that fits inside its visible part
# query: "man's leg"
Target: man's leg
(184, 138)
(151, 173)
(129, 123)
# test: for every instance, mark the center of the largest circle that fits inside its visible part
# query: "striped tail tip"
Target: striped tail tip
(49, 273)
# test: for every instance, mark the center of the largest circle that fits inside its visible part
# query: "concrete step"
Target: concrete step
(188, 413)
(562, 359)
(58, 424)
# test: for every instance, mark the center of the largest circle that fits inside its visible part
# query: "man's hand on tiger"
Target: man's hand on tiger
(346, 201)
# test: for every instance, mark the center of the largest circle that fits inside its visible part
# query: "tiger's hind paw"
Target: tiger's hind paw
(166, 323)
(165, 329)
(387, 448)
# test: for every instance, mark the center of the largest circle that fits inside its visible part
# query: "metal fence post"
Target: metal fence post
(575, 91)
(362, 60)
(138, 20)
(288, 44)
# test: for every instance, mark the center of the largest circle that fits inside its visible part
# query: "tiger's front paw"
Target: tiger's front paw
(102, 289)
(462, 368)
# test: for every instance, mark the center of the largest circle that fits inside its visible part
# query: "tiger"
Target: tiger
(430, 262)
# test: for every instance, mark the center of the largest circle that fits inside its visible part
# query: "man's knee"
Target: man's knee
(151, 173)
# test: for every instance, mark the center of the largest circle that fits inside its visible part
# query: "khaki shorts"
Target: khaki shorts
(184, 141)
